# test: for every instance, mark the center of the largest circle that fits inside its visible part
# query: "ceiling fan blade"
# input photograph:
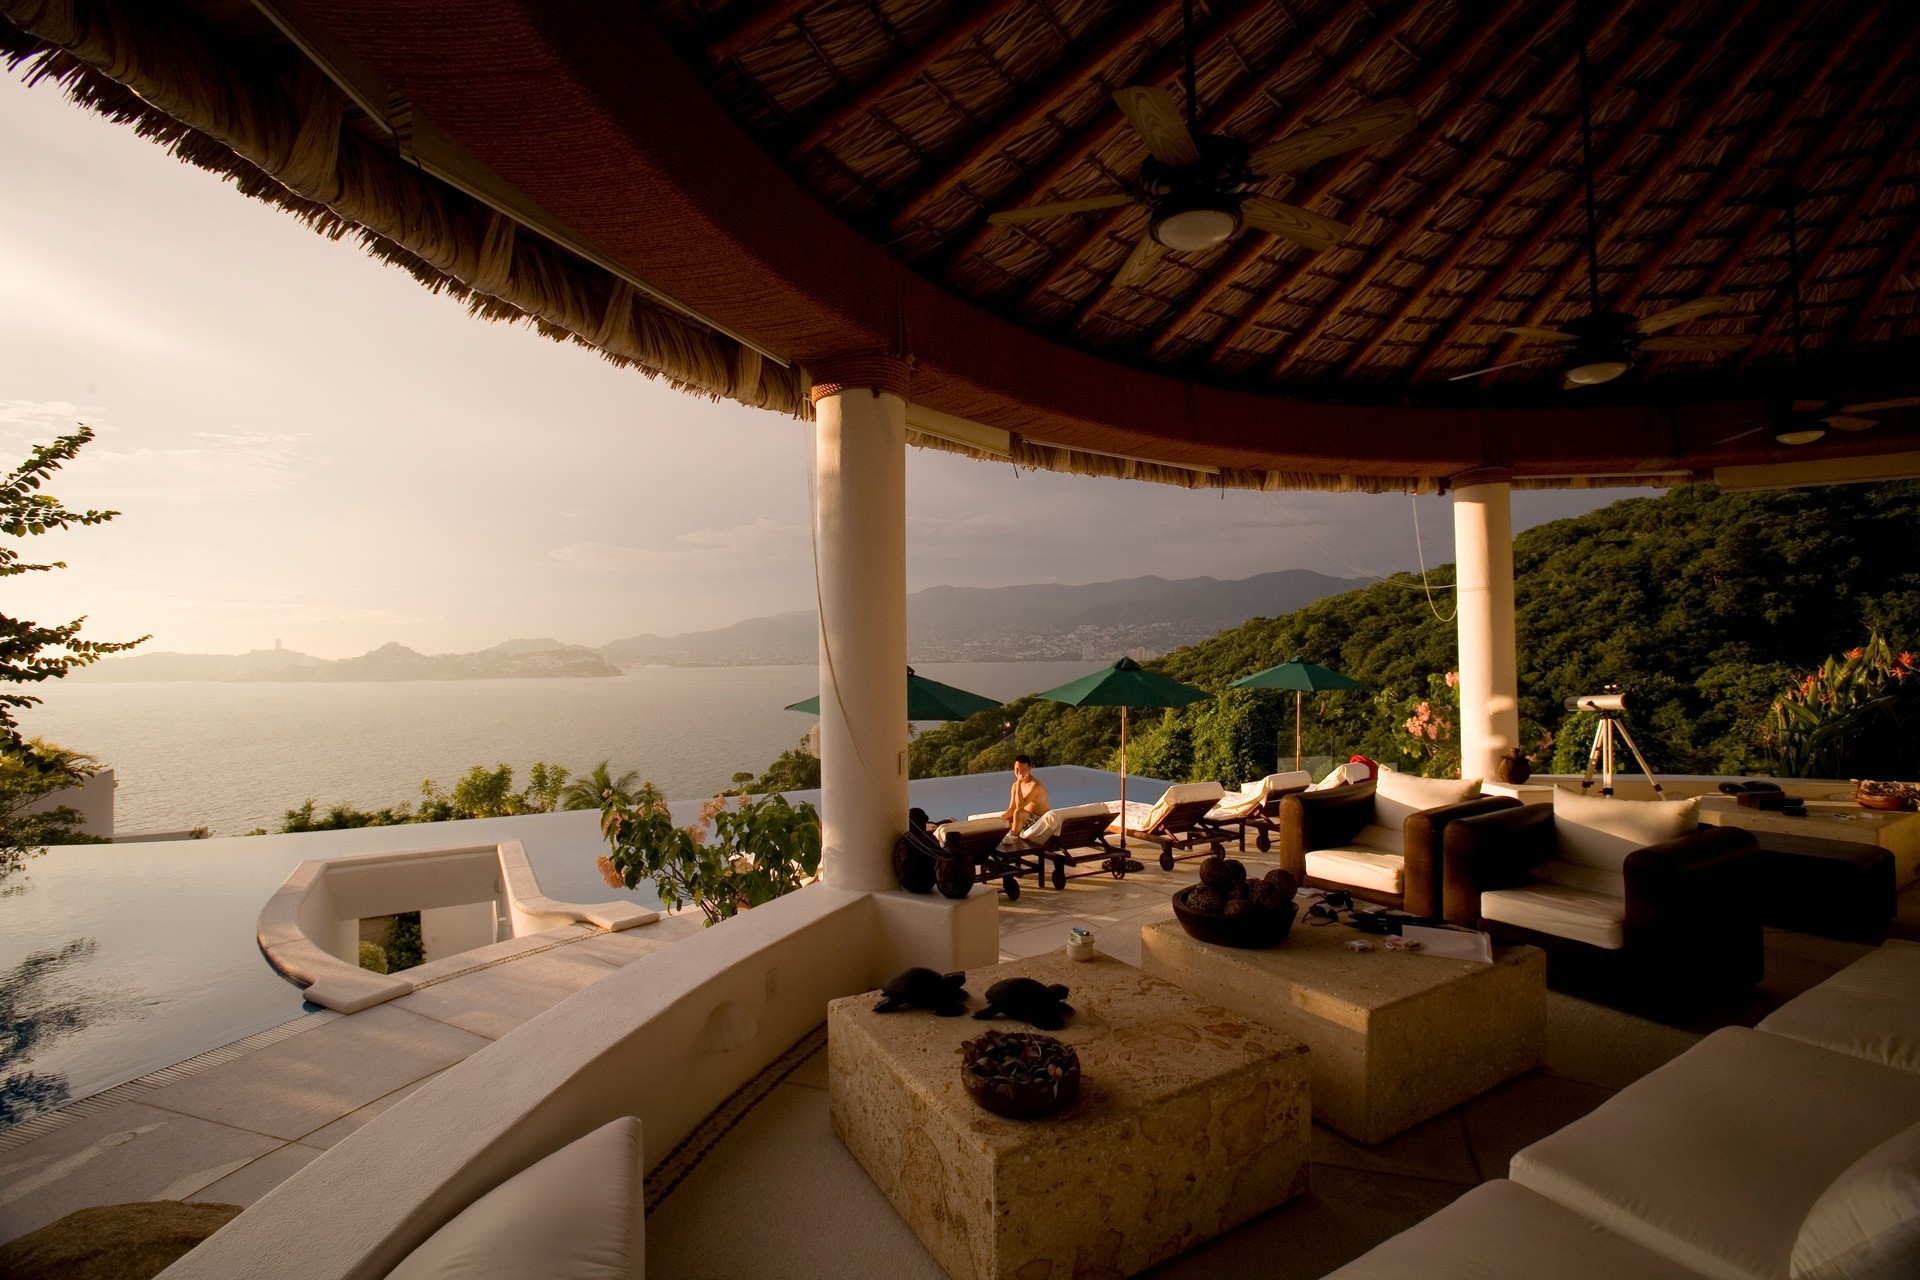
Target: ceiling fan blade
(1377, 123)
(1059, 208)
(1511, 364)
(1155, 116)
(1699, 342)
(1904, 402)
(1815, 406)
(1847, 422)
(1291, 222)
(1542, 335)
(1681, 314)
(1750, 431)
(1140, 264)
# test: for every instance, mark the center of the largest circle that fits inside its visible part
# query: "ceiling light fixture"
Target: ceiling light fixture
(1193, 229)
(1806, 435)
(1596, 372)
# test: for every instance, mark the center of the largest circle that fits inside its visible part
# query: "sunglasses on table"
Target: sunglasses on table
(1327, 910)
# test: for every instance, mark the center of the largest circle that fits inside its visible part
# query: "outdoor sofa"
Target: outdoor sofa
(1787, 1152)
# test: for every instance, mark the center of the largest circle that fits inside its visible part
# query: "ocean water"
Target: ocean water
(233, 757)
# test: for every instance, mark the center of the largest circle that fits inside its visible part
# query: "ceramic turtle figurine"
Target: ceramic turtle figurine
(944, 994)
(1024, 1000)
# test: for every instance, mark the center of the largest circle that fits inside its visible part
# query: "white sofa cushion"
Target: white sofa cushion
(1870, 1009)
(1398, 796)
(1600, 831)
(1716, 1158)
(1053, 821)
(1866, 1226)
(1596, 918)
(579, 1214)
(1502, 1231)
(1359, 866)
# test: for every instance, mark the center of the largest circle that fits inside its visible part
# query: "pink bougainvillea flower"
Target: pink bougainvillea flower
(611, 874)
(1453, 679)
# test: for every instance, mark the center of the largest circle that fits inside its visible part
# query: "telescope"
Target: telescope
(1609, 705)
(1614, 701)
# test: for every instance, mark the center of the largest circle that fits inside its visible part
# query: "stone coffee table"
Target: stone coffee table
(1190, 1120)
(1395, 1037)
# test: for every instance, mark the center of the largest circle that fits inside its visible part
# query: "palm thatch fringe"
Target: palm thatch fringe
(282, 136)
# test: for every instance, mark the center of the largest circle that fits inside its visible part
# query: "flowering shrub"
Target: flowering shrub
(1844, 716)
(1431, 721)
(734, 857)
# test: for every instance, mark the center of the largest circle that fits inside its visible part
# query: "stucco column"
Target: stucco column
(860, 559)
(1483, 559)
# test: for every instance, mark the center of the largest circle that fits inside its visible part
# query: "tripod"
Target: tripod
(1601, 756)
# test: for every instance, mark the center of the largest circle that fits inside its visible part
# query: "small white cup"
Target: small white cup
(1079, 945)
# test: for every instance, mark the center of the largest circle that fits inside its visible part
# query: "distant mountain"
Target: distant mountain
(516, 659)
(1039, 621)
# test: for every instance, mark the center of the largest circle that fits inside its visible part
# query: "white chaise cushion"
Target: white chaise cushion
(579, 1214)
(1715, 1159)
(1592, 916)
(1870, 1009)
(1359, 866)
(1600, 831)
(1053, 821)
(1142, 820)
(971, 827)
(1398, 796)
(1866, 1226)
(1502, 1231)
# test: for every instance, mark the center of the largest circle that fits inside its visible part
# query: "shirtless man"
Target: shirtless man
(1029, 799)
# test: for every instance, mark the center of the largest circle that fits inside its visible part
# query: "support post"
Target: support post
(1483, 559)
(860, 558)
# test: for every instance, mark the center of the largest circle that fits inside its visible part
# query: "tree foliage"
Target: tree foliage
(738, 855)
(29, 652)
(1704, 604)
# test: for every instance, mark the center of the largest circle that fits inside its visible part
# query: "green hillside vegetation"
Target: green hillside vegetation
(1706, 605)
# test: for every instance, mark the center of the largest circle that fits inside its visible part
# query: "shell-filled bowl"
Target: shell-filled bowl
(1250, 931)
(1021, 1075)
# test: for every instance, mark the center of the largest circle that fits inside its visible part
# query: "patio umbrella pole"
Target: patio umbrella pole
(1123, 780)
(1296, 729)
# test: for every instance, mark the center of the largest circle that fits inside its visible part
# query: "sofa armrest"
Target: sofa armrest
(1321, 820)
(1423, 852)
(1694, 907)
(1491, 851)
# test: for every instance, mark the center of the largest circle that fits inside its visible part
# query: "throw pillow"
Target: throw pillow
(1866, 1226)
(1600, 831)
(1398, 796)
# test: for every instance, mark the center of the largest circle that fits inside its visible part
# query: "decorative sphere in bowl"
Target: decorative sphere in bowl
(1249, 930)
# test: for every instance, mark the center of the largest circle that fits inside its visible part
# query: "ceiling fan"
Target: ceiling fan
(1806, 420)
(1203, 187)
(1601, 345)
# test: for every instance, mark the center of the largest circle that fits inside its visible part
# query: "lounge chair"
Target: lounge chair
(972, 855)
(1256, 805)
(1174, 822)
(1059, 833)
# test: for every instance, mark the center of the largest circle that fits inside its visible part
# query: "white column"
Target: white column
(860, 409)
(1483, 559)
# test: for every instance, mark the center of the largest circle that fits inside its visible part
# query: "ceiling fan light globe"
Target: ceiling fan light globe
(1800, 435)
(1595, 372)
(1191, 230)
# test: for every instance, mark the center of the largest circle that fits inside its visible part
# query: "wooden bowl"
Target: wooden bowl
(1887, 804)
(1254, 931)
(1020, 1101)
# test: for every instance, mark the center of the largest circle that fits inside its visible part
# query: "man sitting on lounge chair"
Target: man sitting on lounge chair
(1029, 798)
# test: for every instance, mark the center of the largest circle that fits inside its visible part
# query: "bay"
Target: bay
(235, 757)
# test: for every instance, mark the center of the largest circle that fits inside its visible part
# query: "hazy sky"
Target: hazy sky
(308, 446)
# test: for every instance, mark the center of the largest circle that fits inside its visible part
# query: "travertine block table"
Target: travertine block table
(1395, 1036)
(1898, 833)
(1190, 1120)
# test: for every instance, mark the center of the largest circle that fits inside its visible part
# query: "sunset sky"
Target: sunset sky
(308, 446)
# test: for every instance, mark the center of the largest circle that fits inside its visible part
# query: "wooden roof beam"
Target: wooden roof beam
(1056, 85)
(1380, 259)
(1570, 202)
(1289, 120)
(962, 25)
(755, 27)
(1825, 246)
(1105, 225)
(1735, 172)
(1468, 42)
(1518, 179)
(1648, 183)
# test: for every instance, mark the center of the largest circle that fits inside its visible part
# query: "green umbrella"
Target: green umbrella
(926, 700)
(1125, 684)
(1300, 676)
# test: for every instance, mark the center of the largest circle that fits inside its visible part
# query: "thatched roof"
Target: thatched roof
(569, 167)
